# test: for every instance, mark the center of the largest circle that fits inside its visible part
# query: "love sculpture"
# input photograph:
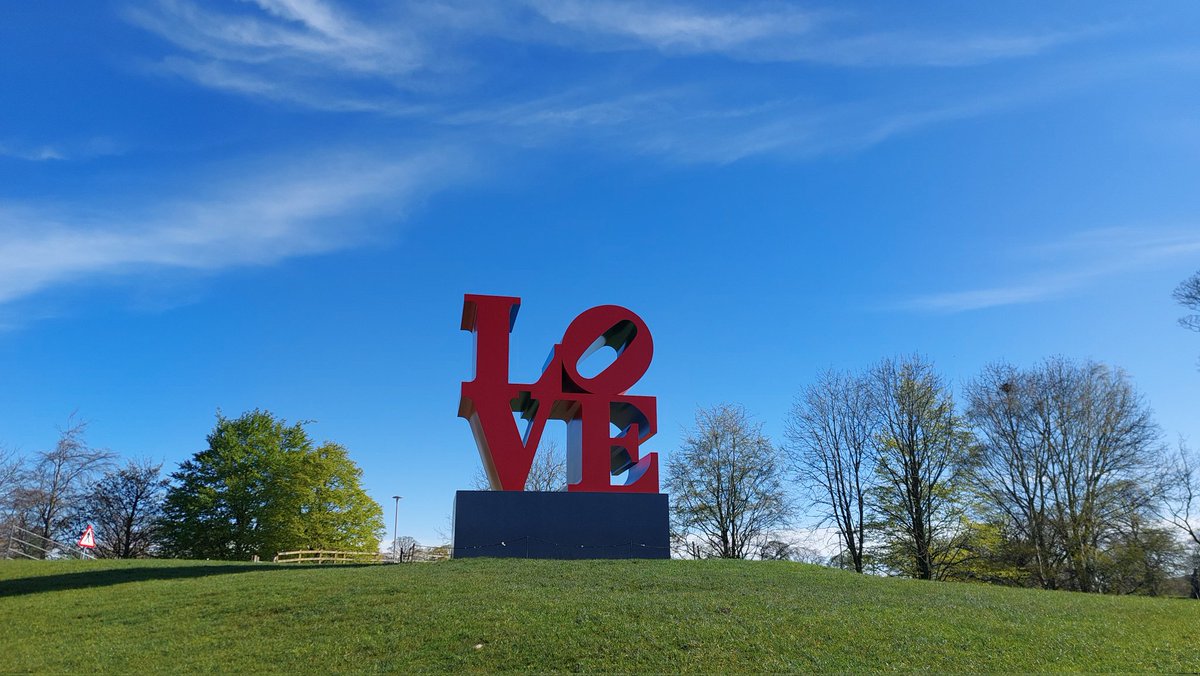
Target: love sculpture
(612, 507)
(587, 405)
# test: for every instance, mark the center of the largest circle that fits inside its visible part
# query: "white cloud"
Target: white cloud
(676, 28)
(310, 52)
(309, 206)
(686, 125)
(1041, 289)
(1070, 265)
(282, 34)
(903, 49)
(419, 63)
(31, 154)
(218, 75)
(61, 151)
(774, 33)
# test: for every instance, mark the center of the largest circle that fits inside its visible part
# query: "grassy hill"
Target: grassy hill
(549, 615)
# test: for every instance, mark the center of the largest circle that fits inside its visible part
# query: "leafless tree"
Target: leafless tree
(480, 481)
(10, 472)
(55, 486)
(1103, 442)
(549, 469)
(11, 469)
(547, 473)
(1068, 455)
(830, 436)
(922, 449)
(404, 548)
(775, 550)
(810, 556)
(1013, 476)
(1188, 295)
(725, 484)
(1183, 493)
(125, 507)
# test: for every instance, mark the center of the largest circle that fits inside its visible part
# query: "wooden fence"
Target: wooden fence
(414, 553)
(323, 556)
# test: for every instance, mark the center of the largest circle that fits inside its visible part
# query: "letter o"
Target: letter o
(612, 326)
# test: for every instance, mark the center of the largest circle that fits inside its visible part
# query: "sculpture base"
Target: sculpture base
(561, 525)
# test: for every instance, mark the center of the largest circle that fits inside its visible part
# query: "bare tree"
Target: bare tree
(922, 449)
(404, 548)
(55, 486)
(1068, 456)
(775, 550)
(125, 507)
(10, 473)
(1013, 475)
(1188, 295)
(726, 491)
(1183, 493)
(1103, 443)
(547, 473)
(11, 470)
(549, 469)
(830, 435)
(480, 481)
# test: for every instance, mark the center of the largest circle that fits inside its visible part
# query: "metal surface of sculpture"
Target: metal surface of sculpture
(612, 507)
(597, 460)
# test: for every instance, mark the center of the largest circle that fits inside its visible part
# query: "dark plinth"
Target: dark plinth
(561, 525)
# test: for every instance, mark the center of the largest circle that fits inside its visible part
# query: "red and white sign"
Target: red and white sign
(88, 539)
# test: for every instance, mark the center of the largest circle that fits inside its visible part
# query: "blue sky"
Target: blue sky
(280, 204)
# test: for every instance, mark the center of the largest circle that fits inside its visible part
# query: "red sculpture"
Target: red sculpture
(587, 405)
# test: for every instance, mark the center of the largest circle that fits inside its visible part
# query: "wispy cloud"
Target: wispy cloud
(32, 154)
(424, 63)
(431, 70)
(774, 33)
(96, 147)
(422, 59)
(1068, 266)
(286, 33)
(305, 206)
(315, 96)
(679, 28)
(306, 52)
(687, 125)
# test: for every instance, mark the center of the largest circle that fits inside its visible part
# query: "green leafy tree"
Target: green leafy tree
(335, 513)
(261, 487)
(920, 455)
(984, 551)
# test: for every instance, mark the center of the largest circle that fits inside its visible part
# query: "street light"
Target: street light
(396, 525)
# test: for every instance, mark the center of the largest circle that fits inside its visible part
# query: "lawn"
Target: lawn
(488, 615)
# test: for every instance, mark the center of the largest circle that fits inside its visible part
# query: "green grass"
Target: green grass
(153, 616)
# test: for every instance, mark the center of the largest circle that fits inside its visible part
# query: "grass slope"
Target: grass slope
(554, 615)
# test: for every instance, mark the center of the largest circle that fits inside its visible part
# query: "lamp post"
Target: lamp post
(396, 526)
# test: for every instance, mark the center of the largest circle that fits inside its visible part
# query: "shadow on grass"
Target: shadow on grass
(112, 576)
